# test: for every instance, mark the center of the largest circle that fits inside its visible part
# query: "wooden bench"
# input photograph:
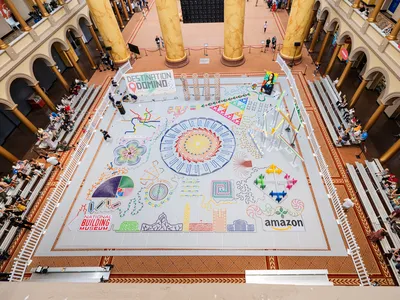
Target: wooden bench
(373, 170)
(327, 120)
(334, 97)
(34, 194)
(74, 103)
(328, 105)
(82, 113)
(374, 209)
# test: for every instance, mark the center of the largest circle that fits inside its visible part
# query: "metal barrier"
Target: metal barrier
(24, 258)
(262, 49)
(353, 248)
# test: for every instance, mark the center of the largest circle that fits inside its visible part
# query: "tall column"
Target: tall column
(333, 58)
(16, 14)
(121, 24)
(96, 38)
(324, 43)
(381, 108)
(299, 19)
(42, 9)
(356, 4)
(375, 12)
(87, 53)
(310, 24)
(123, 5)
(129, 2)
(3, 45)
(60, 77)
(168, 16)
(7, 155)
(317, 31)
(24, 120)
(43, 95)
(344, 74)
(358, 92)
(395, 31)
(108, 27)
(70, 54)
(390, 152)
(233, 33)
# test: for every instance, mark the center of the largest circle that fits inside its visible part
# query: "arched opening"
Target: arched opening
(43, 74)
(385, 131)
(29, 102)
(57, 53)
(316, 33)
(84, 52)
(313, 23)
(374, 89)
(345, 44)
(72, 37)
(64, 64)
(354, 79)
(43, 70)
(8, 124)
(15, 135)
(83, 25)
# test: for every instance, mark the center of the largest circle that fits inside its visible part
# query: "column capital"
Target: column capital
(35, 84)
(14, 107)
(3, 45)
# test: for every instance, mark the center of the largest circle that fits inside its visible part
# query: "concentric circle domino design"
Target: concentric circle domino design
(158, 192)
(197, 146)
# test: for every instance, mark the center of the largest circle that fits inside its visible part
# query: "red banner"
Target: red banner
(96, 223)
(344, 53)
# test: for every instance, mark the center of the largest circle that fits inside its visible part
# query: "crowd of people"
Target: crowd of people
(390, 184)
(62, 120)
(364, 10)
(274, 5)
(354, 129)
(12, 204)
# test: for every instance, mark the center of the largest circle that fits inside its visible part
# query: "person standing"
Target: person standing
(158, 41)
(111, 98)
(265, 26)
(347, 204)
(378, 235)
(105, 134)
(52, 160)
(273, 41)
(267, 42)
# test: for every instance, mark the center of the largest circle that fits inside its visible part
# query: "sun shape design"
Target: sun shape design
(129, 154)
(197, 145)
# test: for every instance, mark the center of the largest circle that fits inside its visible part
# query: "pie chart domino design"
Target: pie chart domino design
(197, 146)
(120, 186)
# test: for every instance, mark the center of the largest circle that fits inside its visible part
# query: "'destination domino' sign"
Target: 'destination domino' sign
(151, 83)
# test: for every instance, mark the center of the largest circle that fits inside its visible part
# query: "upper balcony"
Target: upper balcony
(19, 44)
(371, 34)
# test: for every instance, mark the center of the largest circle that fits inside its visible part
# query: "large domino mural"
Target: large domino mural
(196, 168)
